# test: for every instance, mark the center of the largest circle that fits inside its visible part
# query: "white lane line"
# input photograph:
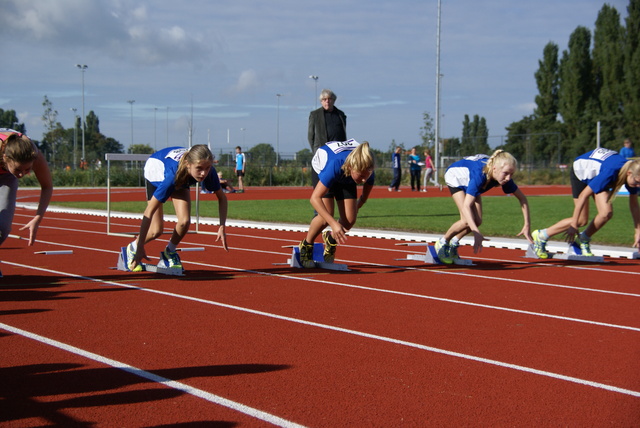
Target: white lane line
(359, 334)
(212, 398)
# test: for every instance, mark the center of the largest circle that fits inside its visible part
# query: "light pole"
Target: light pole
(75, 136)
(243, 129)
(83, 68)
(278, 131)
(167, 126)
(155, 112)
(131, 102)
(315, 78)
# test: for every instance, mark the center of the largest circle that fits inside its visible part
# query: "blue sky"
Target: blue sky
(223, 62)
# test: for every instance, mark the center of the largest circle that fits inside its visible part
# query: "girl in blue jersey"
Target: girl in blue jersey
(341, 166)
(599, 174)
(168, 174)
(468, 179)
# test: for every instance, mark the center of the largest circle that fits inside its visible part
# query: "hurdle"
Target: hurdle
(431, 255)
(108, 157)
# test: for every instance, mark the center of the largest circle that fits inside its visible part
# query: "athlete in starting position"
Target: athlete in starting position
(341, 166)
(18, 157)
(468, 179)
(599, 174)
(169, 173)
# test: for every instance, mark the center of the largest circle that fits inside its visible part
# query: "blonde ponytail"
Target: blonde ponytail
(634, 167)
(499, 157)
(360, 159)
(195, 154)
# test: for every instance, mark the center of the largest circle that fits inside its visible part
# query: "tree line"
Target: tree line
(596, 80)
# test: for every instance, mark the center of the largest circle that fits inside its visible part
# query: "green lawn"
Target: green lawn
(502, 214)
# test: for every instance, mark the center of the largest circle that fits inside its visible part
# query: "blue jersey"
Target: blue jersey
(467, 175)
(414, 163)
(160, 170)
(240, 161)
(395, 160)
(599, 170)
(328, 161)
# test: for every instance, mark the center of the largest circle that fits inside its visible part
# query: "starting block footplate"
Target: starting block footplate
(123, 265)
(318, 258)
(431, 256)
(573, 253)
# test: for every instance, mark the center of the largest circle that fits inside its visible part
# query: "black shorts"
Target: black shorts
(239, 173)
(151, 189)
(454, 190)
(577, 186)
(341, 191)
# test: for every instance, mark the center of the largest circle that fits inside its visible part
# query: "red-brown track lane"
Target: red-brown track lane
(310, 376)
(357, 308)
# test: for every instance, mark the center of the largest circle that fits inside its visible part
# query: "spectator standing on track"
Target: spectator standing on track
(430, 173)
(597, 174)
(627, 151)
(414, 170)
(468, 179)
(241, 164)
(341, 166)
(18, 157)
(327, 123)
(396, 164)
(168, 174)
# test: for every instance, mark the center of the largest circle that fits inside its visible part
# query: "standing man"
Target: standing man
(327, 123)
(397, 170)
(241, 164)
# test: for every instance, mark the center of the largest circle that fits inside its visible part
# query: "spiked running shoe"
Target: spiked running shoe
(444, 252)
(539, 245)
(131, 254)
(329, 248)
(171, 259)
(306, 255)
(453, 252)
(585, 246)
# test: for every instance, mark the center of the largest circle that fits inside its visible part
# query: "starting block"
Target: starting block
(123, 264)
(431, 255)
(573, 253)
(318, 258)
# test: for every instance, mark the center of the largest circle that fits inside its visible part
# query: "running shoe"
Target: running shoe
(453, 252)
(539, 245)
(329, 248)
(444, 252)
(306, 255)
(585, 246)
(171, 259)
(131, 254)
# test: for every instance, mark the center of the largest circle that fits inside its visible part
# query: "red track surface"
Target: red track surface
(242, 340)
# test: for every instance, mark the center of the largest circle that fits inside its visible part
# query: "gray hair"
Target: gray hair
(328, 93)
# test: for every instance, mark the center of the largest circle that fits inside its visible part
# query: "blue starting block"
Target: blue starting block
(318, 258)
(431, 255)
(573, 253)
(123, 264)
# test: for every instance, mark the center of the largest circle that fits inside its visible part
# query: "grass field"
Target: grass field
(502, 214)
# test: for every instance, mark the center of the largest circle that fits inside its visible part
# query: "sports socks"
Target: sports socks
(543, 235)
(171, 247)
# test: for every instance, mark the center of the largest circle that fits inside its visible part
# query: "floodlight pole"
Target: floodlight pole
(83, 68)
(315, 78)
(437, 118)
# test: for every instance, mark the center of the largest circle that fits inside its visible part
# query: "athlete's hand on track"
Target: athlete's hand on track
(222, 236)
(478, 238)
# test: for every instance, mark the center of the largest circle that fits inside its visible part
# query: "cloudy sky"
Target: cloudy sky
(220, 65)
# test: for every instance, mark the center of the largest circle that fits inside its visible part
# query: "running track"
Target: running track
(243, 340)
